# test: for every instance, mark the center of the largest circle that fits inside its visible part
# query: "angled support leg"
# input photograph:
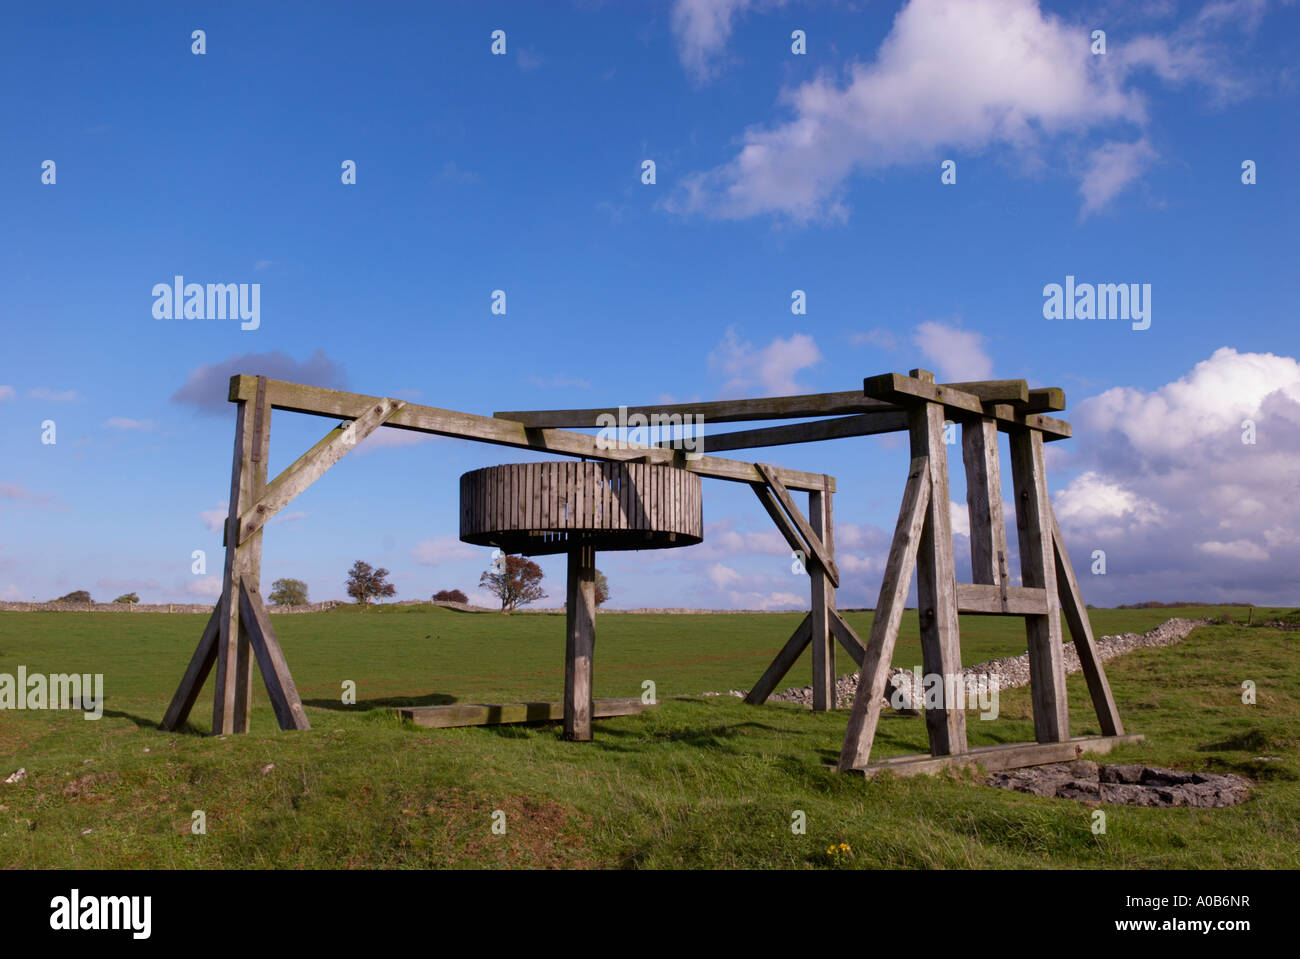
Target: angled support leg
(201, 663)
(1076, 617)
(775, 672)
(270, 660)
(865, 715)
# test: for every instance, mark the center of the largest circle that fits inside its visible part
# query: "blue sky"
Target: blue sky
(522, 172)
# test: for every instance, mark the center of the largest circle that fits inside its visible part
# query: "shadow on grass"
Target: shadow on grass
(392, 702)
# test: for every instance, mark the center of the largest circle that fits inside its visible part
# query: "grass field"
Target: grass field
(694, 782)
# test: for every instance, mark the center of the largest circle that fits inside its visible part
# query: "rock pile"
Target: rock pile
(1131, 785)
(1011, 671)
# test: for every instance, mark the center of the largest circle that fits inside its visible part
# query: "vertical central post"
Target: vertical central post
(579, 642)
(936, 580)
(820, 517)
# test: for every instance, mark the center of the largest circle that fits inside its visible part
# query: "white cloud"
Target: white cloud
(6, 393)
(702, 28)
(53, 396)
(443, 549)
(957, 354)
(723, 577)
(1241, 549)
(208, 587)
(770, 370)
(214, 519)
(122, 423)
(1182, 507)
(951, 77)
(1109, 169)
(208, 385)
(960, 517)
(386, 438)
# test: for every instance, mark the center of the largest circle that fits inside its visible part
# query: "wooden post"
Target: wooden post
(1038, 569)
(821, 519)
(579, 643)
(234, 683)
(988, 528)
(936, 581)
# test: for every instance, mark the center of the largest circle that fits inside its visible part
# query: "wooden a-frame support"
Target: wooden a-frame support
(923, 540)
(239, 629)
(812, 538)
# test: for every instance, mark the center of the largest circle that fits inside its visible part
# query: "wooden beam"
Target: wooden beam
(1015, 392)
(988, 529)
(317, 401)
(814, 543)
(936, 580)
(494, 714)
(863, 424)
(779, 666)
(196, 674)
(270, 660)
(1076, 618)
(579, 643)
(1047, 400)
(311, 466)
(1001, 600)
(1002, 756)
(848, 638)
(906, 390)
(865, 715)
(715, 411)
(821, 521)
(783, 524)
(1038, 570)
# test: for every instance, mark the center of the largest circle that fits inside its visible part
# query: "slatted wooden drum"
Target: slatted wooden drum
(540, 508)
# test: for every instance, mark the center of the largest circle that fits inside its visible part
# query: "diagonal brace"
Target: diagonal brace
(813, 543)
(309, 467)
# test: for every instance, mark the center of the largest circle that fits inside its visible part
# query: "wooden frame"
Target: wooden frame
(240, 631)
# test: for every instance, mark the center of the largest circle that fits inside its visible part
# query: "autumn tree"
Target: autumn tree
(289, 592)
(450, 596)
(366, 583)
(514, 580)
(602, 588)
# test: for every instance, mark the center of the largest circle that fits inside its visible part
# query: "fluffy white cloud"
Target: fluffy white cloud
(1182, 507)
(770, 371)
(213, 519)
(957, 354)
(955, 76)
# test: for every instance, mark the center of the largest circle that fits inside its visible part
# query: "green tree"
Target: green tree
(366, 583)
(515, 581)
(80, 596)
(129, 598)
(289, 592)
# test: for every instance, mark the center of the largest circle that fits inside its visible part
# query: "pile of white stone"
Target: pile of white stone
(1011, 671)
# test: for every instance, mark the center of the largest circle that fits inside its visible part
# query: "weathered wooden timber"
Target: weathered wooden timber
(494, 714)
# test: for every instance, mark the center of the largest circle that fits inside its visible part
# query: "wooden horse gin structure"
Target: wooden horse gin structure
(647, 497)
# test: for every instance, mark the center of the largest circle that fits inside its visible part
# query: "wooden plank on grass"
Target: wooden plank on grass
(492, 714)
(1002, 756)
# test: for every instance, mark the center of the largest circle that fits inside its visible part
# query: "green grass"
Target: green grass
(694, 782)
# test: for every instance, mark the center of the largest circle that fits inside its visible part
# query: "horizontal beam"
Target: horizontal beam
(715, 411)
(1004, 756)
(317, 401)
(863, 424)
(900, 389)
(997, 600)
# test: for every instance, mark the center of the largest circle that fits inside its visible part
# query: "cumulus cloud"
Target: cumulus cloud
(770, 370)
(951, 75)
(1171, 489)
(957, 355)
(208, 386)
